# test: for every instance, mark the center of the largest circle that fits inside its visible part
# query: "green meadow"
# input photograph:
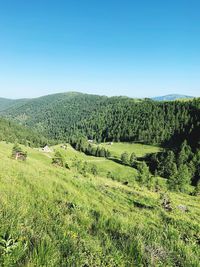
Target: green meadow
(140, 150)
(53, 216)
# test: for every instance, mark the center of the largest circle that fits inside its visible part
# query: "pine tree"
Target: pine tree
(94, 151)
(102, 152)
(184, 177)
(132, 159)
(169, 166)
(172, 180)
(197, 189)
(98, 151)
(125, 158)
(181, 179)
(143, 173)
(89, 149)
(185, 153)
(108, 154)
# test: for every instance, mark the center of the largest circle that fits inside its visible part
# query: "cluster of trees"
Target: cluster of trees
(13, 133)
(180, 166)
(64, 116)
(128, 160)
(84, 168)
(82, 145)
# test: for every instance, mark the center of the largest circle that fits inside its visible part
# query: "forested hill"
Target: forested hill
(63, 116)
(12, 132)
(11, 103)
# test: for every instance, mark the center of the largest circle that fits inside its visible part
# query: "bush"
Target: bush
(58, 159)
(18, 153)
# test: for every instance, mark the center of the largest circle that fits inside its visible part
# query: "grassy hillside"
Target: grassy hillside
(105, 167)
(52, 216)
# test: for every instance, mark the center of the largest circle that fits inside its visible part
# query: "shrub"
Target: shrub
(58, 159)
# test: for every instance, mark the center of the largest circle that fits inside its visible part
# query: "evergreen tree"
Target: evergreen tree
(197, 189)
(94, 151)
(108, 154)
(172, 180)
(170, 164)
(89, 149)
(125, 158)
(102, 152)
(185, 153)
(184, 177)
(181, 179)
(132, 159)
(98, 151)
(143, 173)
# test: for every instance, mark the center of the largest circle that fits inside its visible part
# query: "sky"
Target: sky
(140, 48)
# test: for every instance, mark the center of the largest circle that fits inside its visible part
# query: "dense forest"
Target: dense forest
(64, 116)
(11, 103)
(12, 133)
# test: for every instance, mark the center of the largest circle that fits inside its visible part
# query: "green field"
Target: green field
(140, 150)
(52, 216)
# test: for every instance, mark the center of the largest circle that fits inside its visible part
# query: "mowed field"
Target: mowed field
(53, 216)
(140, 150)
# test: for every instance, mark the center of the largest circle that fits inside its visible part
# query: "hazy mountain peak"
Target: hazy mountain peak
(171, 97)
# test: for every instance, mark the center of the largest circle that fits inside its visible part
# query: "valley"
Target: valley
(89, 180)
(55, 216)
(99, 133)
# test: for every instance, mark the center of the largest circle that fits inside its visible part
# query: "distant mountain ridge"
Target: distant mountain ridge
(171, 97)
(6, 103)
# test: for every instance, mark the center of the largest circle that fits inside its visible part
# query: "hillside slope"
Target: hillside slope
(51, 216)
(10, 103)
(65, 116)
(12, 132)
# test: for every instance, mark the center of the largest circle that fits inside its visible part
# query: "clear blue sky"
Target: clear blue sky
(113, 47)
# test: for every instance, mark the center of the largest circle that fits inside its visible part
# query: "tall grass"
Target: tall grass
(51, 216)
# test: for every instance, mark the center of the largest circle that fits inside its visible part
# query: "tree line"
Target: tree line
(64, 116)
(12, 132)
(82, 145)
(181, 166)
